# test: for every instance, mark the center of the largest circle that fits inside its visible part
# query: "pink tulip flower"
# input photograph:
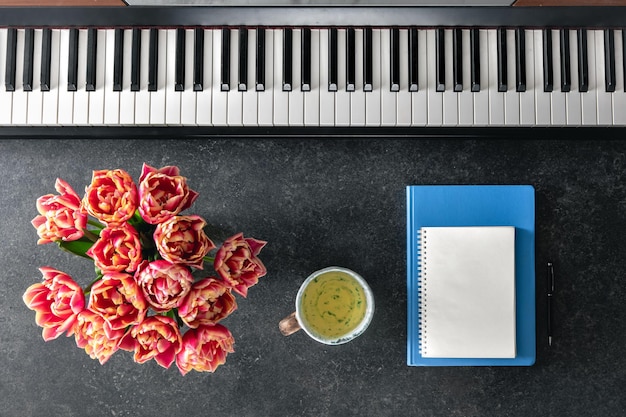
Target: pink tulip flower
(204, 349)
(119, 300)
(237, 262)
(163, 193)
(157, 337)
(118, 249)
(57, 301)
(163, 283)
(111, 197)
(61, 217)
(208, 302)
(181, 239)
(93, 334)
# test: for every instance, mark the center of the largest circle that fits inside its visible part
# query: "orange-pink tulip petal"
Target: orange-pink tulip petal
(111, 197)
(119, 300)
(157, 337)
(93, 334)
(118, 249)
(163, 283)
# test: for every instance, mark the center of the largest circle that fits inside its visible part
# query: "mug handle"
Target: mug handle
(289, 325)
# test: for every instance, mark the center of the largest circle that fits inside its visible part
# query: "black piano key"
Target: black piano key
(260, 60)
(413, 57)
(332, 59)
(367, 60)
(198, 60)
(440, 53)
(72, 74)
(583, 62)
(153, 60)
(9, 72)
(118, 59)
(566, 75)
(394, 49)
(243, 59)
(46, 56)
(225, 68)
(502, 61)
(475, 59)
(547, 61)
(29, 52)
(135, 60)
(92, 50)
(457, 60)
(609, 60)
(287, 59)
(520, 60)
(624, 55)
(350, 60)
(179, 71)
(305, 66)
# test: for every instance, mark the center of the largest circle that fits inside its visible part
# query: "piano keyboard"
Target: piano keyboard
(311, 75)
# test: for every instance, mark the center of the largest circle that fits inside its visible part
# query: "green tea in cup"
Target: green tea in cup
(333, 306)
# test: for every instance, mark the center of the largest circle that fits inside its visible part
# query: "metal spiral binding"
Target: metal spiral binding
(421, 289)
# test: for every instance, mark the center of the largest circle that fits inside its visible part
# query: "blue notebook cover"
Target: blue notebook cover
(475, 205)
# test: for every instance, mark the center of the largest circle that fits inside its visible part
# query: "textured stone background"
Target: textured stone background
(319, 203)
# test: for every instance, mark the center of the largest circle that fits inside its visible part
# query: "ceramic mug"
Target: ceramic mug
(333, 306)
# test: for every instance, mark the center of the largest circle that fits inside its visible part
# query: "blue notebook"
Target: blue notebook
(475, 205)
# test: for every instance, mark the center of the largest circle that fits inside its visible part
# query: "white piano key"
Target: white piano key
(481, 98)
(557, 97)
(157, 98)
(111, 98)
(143, 97)
(572, 99)
(542, 99)
(496, 98)
(6, 97)
(172, 97)
(466, 100)
(511, 97)
(435, 98)
(342, 97)
(35, 97)
(589, 99)
(20, 97)
(51, 98)
(388, 97)
(81, 96)
(403, 97)
(250, 96)
(449, 97)
(220, 98)
(327, 98)
(266, 97)
(126, 97)
(66, 98)
(357, 99)
(312, 98)
(281, 98)
(373, 98)
(619, 97)
(235, 97)
(204, 98)
(188, 96)
(296, 96)
(605, 101)
(96, 98)
(419, 98)
(527, 98)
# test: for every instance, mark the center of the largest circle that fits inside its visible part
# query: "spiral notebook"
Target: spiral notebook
(499, 330)
(467, 292)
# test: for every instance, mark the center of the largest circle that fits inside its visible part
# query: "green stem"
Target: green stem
(209, 259)
(90, 235)
(95, 224)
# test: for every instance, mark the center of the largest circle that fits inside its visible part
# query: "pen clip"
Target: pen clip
(550, 278)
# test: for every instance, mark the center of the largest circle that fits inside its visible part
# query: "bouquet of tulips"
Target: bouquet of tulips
(144, 298)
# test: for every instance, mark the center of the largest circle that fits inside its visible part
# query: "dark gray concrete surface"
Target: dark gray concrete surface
(319, 203)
